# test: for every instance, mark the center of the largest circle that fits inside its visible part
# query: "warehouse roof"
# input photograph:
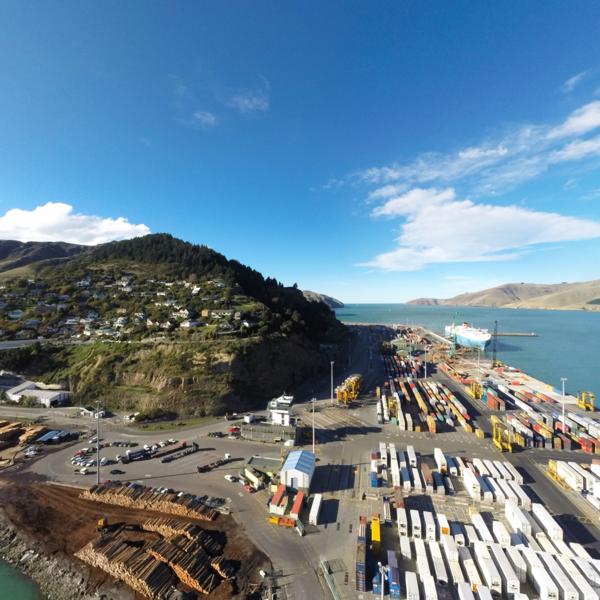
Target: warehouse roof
(302, 460)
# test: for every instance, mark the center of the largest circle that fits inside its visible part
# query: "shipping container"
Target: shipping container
(546, 521)
(438, 482)
(510, 581)
(437, 560)
(455, 572)
(465, 592)
(542, 582)
(315, 509)
(450, 548)
(566, 590)
(402, 521)
(478, 464)
(581, 583)
(412, 457)
(516, 518)
(411, 585)
(448, 485)
(487, 496)
(422, 566)
(471, 534)
(524, 499)
(499, 496)
(517, 562)
(457, 532)
(429, 525)
(417, 483)
(443, 523)
(588, 571)
(571, 477)
(484, 593)
(493, 472)
(415, 524)
(471, 572)
(501, 533)
(452, 468)
(482, 528)
(579, 550)
(429, 588)
(440, 460)
(405, 549)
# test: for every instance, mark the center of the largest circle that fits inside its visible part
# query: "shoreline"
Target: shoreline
(56, 576)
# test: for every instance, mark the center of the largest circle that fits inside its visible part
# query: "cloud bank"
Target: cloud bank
(56, 221)
(439, 227)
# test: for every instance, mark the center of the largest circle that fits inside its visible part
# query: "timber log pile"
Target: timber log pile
(170, 528)
(189, 562)
(132, 565)
(142, 498)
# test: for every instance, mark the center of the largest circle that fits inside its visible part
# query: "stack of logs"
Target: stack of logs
(10, 431)
(189, 562)
(131, 564)
(170, 528)
(32, 433)
(141, 498)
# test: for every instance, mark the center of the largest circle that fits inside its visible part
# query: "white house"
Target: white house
(298, 470)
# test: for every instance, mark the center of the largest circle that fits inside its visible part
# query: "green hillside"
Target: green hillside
(158, 322)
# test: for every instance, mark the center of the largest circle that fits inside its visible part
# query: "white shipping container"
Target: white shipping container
(514, 472)
(456, 573)
(489, 465)
(422, 564)
(482, 529)
(490, 574)
(429, 588)
(499, 496)
(542, 582)
(440, 460)
(563, 549)
(412, 586)
(478, 464)
(545, 543)
(566, 589)
(402, 521)
(465, 592)
(588, 571)
(487, 495)
(524, 499)
(415, 524)
(437, 561)
(419, 547)
(579, 550)
(315, 509)
(460, 463)
(510, 581)
(443, 523)
(571, 477)
(471, 572)
(412, 457)
(507, 490)
(483, 593)
(530, 542)
(586, 590)
(501, 533)
(503, 472)
(546, 521)
(405, 549)
(516, 518)
(417, 481)
(471, 534)
(518, 563)
(450, 548)
(430, 528)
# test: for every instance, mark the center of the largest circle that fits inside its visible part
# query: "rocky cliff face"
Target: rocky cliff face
(317, 297)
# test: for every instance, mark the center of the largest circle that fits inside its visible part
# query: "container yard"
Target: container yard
(412, 490)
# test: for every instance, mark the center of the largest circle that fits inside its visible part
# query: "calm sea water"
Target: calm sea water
(13, 586)
(568, 342)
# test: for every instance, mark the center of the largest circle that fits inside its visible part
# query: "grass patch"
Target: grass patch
(177, 424)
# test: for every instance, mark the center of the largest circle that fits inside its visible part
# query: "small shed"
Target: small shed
(298, 470)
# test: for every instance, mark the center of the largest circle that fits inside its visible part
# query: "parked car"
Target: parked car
(231, 478)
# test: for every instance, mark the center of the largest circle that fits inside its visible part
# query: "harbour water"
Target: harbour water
(567, 342)
(14, 586)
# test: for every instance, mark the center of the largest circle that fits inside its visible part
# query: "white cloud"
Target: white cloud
(581, 121)
(56, 221)
(493, 166)
(578, 150)
(439, 228)
(205, 119)
(251, 100)
(570, 84)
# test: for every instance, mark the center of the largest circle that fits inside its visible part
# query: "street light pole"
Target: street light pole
(563, 380)
(313, 424)
(332, 363)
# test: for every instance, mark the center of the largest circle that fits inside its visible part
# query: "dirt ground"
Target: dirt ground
(64, 523)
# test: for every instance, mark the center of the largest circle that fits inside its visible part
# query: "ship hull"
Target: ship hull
(467, 342)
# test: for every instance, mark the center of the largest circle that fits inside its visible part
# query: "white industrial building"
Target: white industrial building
(280, 410)
(298, 470)
(47, 398)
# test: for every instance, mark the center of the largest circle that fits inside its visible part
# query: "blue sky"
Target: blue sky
(375, 152)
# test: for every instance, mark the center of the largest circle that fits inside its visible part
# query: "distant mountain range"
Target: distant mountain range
(317, 297)
(14, 255)
(584, 295)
